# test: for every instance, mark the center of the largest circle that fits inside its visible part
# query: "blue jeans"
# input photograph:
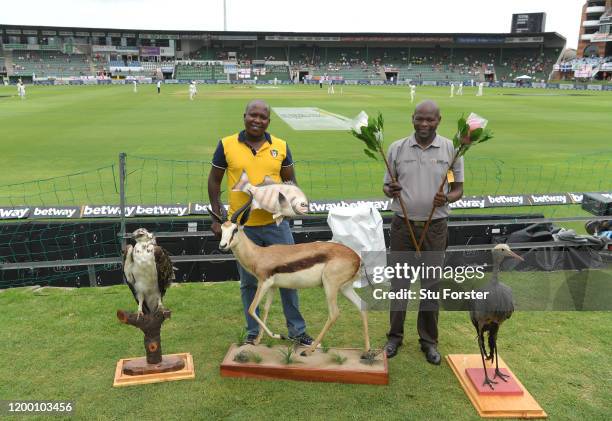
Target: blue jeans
(268, 235)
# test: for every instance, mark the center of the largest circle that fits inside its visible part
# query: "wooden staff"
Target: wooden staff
(417, 246)
(440, 189)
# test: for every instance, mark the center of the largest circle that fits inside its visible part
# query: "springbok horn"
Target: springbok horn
(215, 216)
(242, 208)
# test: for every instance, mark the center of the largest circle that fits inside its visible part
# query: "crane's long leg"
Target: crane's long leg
(491, 339)
(487, 380)
(497, 372)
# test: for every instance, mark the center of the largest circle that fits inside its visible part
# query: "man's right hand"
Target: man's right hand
(216, 229)
(392, 189)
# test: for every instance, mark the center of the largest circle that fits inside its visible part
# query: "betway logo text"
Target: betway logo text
(158, 210)
(325, 207)
(54, 212)
(468, 204)
(14, 213)
(548, 199)
(506, 200)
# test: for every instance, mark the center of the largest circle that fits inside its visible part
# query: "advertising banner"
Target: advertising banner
(149, 51)
(480, 40)
(595, 87)
(317, 206)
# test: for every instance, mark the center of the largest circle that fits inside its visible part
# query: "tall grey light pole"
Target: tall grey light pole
(225, 15)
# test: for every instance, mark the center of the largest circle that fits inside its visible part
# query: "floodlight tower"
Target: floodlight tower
(224, 15)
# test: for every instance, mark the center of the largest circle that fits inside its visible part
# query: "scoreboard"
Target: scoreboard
(528, 22)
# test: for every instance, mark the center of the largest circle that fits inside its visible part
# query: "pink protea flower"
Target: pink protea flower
(474, 122)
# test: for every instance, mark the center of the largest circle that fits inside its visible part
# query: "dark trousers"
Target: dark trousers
(433, 248)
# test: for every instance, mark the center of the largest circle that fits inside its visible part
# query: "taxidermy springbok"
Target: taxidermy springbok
(331, 265)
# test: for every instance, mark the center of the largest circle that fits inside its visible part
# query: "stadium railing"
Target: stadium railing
(48, 251)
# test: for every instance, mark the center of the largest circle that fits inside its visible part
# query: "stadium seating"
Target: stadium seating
(198, 71)
(434, 64)
(357, 73)
(50, 64)
(518, 62)
(357, 63)
(439, 73)
(271, 54)
(152, 68)
(280, 72)
(304, 55)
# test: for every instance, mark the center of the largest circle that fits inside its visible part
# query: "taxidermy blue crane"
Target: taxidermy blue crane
(488, 314)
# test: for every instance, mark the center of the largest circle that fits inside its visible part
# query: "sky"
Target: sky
(563, 16)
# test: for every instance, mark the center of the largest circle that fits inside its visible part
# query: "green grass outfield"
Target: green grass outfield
(64, 345)
(546, 140)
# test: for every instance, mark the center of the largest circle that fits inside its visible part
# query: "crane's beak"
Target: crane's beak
(516, 256)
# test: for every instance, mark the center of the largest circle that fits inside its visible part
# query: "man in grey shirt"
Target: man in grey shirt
(420, 162)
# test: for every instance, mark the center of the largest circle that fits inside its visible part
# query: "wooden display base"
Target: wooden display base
(155, 373)
(318, 367)
(494, 406)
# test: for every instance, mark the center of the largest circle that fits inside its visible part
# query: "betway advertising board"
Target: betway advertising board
(316, 206)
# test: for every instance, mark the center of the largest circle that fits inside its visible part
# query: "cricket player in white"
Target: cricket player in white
(412, 93)
(192, 90)
(460, 89)
(452, 90)
(330, 86)
(135, 86)
(21, 90)
(159, 86)
(480, 89)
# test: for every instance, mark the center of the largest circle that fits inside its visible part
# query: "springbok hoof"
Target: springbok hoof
(369, 354)
(369, 357)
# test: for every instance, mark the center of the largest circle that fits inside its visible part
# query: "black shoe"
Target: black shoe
(431, 354)
(304, 339)
(391, 349)
(250, 340)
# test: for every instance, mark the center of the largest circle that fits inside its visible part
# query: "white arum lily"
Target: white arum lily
(360, 121)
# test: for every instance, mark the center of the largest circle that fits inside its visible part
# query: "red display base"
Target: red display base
(502, 388)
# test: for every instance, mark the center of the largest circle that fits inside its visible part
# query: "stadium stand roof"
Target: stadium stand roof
(550, 39)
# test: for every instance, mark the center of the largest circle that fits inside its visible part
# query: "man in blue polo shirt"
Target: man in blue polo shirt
(259, 154)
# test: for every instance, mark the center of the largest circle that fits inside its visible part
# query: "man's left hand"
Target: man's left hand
(440, 199)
